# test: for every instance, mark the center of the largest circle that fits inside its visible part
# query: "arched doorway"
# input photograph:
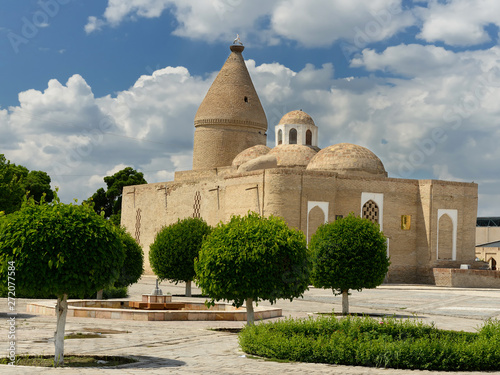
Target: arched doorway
(316, 218)
(309, 137)
(292, 139)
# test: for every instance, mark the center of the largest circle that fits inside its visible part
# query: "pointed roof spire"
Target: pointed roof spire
(232, 99)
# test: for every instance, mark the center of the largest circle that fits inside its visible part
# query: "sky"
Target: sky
(88, 87)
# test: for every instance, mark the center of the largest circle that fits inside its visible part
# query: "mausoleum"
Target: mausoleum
(428, 223)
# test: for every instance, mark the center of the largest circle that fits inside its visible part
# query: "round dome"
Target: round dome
(297, 117)
(249, 154)
(346, 158)
(293, 155)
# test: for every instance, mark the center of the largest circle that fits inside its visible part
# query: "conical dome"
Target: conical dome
(230, 119)
(232, 97)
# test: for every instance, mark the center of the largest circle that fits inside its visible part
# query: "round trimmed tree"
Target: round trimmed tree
(133, 265)
(349, 253)
(59, 249)
(252, 258)
(175, 248)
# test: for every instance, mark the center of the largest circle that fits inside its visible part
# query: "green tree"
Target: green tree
(110, 201)
(38, 184)
(59, 249)
(349, 253)
(133, 265)
(16, 181)
(175, 248)
(252, 258)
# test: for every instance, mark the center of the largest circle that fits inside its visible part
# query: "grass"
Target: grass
(69, 361)
(386, 342)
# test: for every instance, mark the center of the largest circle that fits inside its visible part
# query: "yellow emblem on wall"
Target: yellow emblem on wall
(405, 222)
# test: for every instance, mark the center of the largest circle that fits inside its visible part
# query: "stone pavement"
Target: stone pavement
(196, 348)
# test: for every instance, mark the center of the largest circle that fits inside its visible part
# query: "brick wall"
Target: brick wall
(466, 278)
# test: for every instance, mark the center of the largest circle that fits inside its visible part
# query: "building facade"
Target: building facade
(428, 223)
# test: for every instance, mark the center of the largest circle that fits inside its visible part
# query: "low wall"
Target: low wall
(466, 278)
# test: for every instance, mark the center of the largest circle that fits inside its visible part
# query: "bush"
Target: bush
(253, 258)
(175, 248)
(133, 265)
(349, 253)
(353, 341)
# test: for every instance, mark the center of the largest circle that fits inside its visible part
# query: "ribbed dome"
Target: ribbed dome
(297, 117)
(346, 158)
(232, 98)
(249, 154)
(293, 155)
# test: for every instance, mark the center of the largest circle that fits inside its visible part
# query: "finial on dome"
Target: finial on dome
(237, 45)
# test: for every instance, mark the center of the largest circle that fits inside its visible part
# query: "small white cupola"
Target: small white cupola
(297, 127)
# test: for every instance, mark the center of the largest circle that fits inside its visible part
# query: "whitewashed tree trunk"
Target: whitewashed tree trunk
(345, 302)
(250, 314)
(61, 311)
(188, 288)
(99, 294)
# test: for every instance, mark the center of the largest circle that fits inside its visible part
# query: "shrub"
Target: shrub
(253, 258)
(401, 344)
(349, 253)
(175, 248)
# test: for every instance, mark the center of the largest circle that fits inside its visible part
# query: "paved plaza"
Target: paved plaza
(196, 347)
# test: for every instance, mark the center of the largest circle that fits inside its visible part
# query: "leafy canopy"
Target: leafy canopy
(253, 257)
(16, 181)
(349, 253)
(110, 201)
(175, 248)
(133, 265)
(59, 249)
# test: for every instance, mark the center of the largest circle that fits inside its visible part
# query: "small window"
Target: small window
(293, 137)
(405, 222)
(309, 137)
(280, 137)
(246, 99)
(338, 217)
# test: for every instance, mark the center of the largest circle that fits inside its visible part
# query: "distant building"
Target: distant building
(428, 223)
(488, 240)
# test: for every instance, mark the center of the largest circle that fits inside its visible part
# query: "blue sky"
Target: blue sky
(89, 87)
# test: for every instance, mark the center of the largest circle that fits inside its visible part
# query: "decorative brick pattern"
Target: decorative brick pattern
(370, 211)
(138, 225)
(197, 204)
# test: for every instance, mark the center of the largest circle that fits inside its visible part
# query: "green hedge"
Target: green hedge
(355, 341)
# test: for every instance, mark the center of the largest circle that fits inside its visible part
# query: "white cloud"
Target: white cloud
(321, 23)
(458, 22)
(408, 60)
(318, 23)
(94, 24)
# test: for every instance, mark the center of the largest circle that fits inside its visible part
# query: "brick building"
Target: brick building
(428, 223)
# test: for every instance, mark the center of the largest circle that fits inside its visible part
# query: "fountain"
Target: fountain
(153, 307)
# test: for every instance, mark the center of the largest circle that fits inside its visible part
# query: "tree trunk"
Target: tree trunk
(99, 294)
(188, 288)
(250, 314)
(61, 311)
(345, 302)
